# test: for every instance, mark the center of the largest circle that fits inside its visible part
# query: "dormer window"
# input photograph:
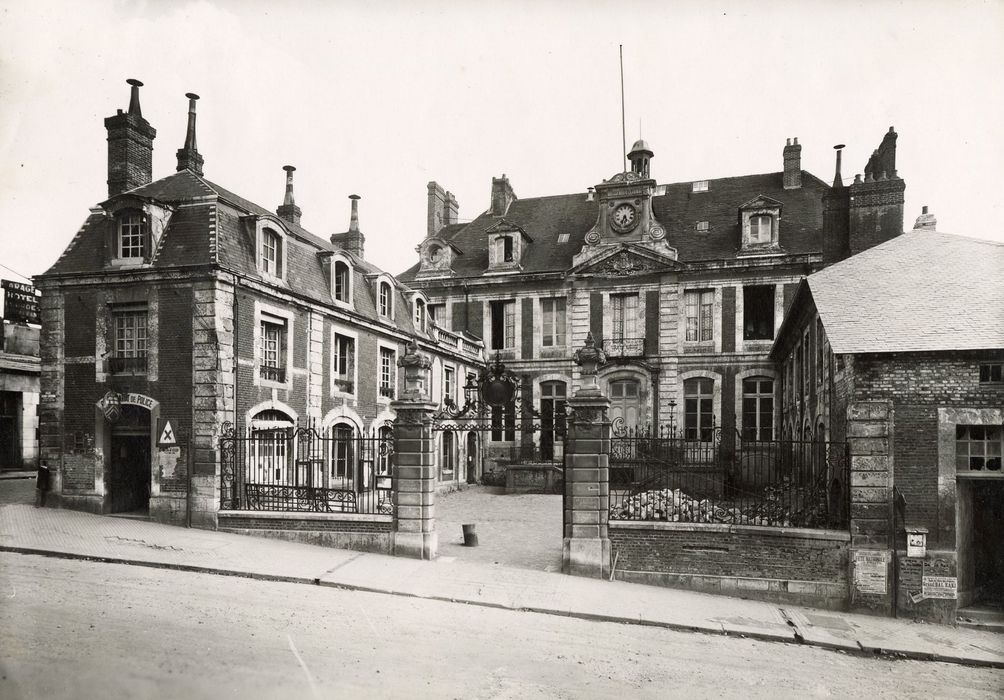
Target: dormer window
(385, 300)
(132, 236)
(759, 220)
(507, 246)
(341, 274)
(271, 247)
(761, 228)
(420, 314)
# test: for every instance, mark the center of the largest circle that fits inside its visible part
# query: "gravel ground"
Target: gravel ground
(518, 530)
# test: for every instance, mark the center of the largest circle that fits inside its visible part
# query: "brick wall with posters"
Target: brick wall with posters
(918, 384)
(786, 565)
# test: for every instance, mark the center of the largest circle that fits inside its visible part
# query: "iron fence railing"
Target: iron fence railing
(775, 483)
(306, 469)
(624, 347)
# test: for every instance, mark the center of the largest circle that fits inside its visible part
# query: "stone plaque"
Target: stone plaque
(871, 571)
(940, 587)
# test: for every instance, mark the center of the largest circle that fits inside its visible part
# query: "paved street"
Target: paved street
(515, 530)
(17, 491)
(72, 629)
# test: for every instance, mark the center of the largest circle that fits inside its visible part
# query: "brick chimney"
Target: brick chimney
(502, 195)
(352, 241)
(188, 155)
(792, 165)
(130, 146)
(452, 210)
(288, 209)
(436, 210)
(876, 203)
(925, 222)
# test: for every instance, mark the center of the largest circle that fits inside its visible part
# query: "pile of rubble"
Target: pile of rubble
(673, 505)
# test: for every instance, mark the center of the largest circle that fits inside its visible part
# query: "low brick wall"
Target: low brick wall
(364, 533)
(789, 565)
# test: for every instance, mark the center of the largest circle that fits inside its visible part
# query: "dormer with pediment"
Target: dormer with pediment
(436, 256)
(270, 238)
(507, 244)
(759, 226)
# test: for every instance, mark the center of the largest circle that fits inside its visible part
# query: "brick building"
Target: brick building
(684, 285)
(900, 351)
(179, 307)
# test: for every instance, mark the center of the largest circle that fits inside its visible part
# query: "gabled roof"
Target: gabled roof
(678, 209)
(922, 291)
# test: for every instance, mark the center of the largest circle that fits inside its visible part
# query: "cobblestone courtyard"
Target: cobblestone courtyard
(516, 530)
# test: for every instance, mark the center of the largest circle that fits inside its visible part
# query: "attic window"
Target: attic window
(343, 282)
(761, 228)
(271, 253)
(385, 300)
(131, 239)
(700, 186)
(702, 225)
(563, 237)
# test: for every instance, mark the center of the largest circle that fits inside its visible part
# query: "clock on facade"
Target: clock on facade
(624, 218)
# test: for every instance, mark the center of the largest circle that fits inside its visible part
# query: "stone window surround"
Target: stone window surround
(715, 344)
(748, 245)
(757, 345)
(260, 310)
(540, 349)
(417, 298)
(384, 278)
(948, 419)
(104, 336)
(339, 329)
(342, 258)
(749, 374)
(515, 351)
(617, 373)
(608, 318)
(443, 393)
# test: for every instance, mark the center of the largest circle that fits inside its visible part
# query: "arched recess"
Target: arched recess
(768, 373)
(716, 391)
(630, 392)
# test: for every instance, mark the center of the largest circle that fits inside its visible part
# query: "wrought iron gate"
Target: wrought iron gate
(301, 468)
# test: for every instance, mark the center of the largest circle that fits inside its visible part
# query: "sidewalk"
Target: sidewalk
(77, 535)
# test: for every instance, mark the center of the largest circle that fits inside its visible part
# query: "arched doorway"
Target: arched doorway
(129, 461)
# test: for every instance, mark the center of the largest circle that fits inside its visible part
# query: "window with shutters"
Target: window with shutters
(699, 306)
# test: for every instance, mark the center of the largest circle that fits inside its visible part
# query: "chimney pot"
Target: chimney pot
(838, 180)
(926, 221)
(188, 155)
(288, 209)
(796, 140)
(923, 209)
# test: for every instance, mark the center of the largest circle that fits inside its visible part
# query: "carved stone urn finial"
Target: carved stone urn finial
(416, 366)
(589, 358)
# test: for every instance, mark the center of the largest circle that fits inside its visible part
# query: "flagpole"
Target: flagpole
(623, 125)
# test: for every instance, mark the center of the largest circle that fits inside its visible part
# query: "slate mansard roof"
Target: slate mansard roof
(922, 291)
(676, 206)
(205, 229)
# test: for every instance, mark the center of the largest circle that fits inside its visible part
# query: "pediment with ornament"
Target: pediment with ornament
(627, 261)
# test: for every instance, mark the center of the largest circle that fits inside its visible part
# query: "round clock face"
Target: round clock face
(624, 217)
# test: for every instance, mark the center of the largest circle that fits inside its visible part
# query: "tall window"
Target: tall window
(449, 384)
(503, 320)
(130, 341)
(385, 300)
(341, 281)
(388, 373)
(131, 236)
(758, 313)
(700, 308)
(758, 408)
(345, 363)
(761, 228)
(698, 409)
(437, 314)
(273, 349)
(448, 460)
(419, 315)
(978, 448)
(271, 253)
(819, 352)
(342, 452)
(504, 249)
(553, 322)
(625, 315)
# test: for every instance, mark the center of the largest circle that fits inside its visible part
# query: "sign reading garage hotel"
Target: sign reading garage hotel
(20, 302)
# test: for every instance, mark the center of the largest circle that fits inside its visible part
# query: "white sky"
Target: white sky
(378, 98)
